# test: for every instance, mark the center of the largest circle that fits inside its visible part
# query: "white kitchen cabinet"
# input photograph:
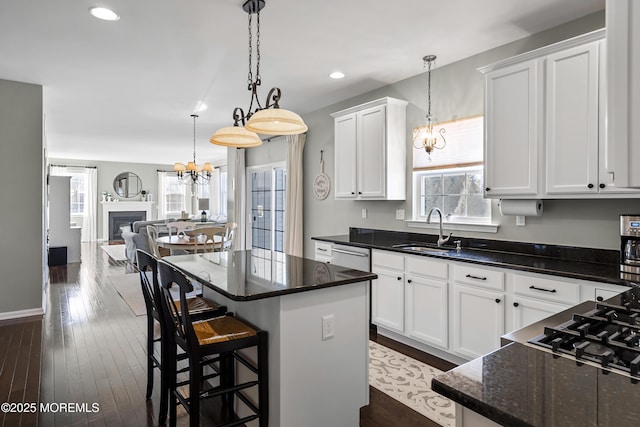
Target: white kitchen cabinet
(410, 296)
(526, 311)
(323, 252)
(623, 95)
(387, 291)
(511, 117)
(370, 151)
(478, 310)
(426, 301)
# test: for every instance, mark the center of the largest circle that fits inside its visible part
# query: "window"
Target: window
(451, 179)
(173, 195)
(223, 192)
(78, 193)
(457, 192)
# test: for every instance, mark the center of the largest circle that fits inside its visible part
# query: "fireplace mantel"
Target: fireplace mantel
(122, 206)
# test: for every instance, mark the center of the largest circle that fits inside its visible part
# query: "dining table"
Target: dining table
(184, 242)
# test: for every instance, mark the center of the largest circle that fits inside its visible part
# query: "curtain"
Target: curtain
(89, 222)
(162, 196)
(239, 195)
(293, 243)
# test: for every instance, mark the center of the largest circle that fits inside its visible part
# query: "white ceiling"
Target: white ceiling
(123, 91)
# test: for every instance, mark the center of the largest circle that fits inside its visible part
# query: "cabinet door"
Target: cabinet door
(527, 311)
(387, 300)
(427, 316)
(572, 128)
(511, 130)
(478, 320)
(345, 157)
(372, 153)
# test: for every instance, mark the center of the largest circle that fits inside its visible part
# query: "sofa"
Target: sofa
(137, 238)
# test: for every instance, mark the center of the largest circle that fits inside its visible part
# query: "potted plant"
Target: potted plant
(144, 195)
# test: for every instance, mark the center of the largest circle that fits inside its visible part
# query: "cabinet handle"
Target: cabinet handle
(475, 277)
(602, 185)
(322, 250)
(600, 299)
(487, 189)
(409, 281)
(590, 186)
(515, 304)
(399, 278)
(543, 289)
(498, 300)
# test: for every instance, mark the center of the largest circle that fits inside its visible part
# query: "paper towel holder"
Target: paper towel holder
(520, 207)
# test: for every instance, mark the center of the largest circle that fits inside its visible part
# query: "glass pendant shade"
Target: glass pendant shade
(235, 136)
(276, 121)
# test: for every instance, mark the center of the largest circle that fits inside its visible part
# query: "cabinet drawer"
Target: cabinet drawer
(427, 267)
(550, 289)
(388, 260)
(323, 248)
(481, 277)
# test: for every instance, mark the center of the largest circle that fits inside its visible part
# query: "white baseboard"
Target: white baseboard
(21, 313)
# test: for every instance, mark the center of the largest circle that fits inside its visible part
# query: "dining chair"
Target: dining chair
(230, 231)
(176, 227)
(208, 239)
(152, 239)
(198, 307)
(218, 340)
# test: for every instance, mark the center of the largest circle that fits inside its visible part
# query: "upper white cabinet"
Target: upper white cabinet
(623, 103)
(511, 130)
(546, 121)
(370, 151)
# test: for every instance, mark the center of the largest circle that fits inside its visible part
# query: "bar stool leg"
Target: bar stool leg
(263, 378)
(149, 356)
(168, 367)
(195, 380)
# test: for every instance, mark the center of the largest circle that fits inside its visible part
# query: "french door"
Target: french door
(266, 212)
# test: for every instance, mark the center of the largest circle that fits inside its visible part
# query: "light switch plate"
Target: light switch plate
(364, 213)
(520, 222)
(400, 214)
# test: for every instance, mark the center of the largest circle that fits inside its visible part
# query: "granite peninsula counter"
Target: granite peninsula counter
(314, 380)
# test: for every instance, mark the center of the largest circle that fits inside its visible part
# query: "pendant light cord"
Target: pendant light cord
(194, 138)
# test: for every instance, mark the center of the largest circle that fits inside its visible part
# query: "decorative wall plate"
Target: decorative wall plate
(321, 183)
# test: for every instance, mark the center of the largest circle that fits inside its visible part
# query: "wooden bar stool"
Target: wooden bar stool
(218, 339)
(197, 306)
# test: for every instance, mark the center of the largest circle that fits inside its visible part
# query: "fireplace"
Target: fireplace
(118, 219)
(122, 206)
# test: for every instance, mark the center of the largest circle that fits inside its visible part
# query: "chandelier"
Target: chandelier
(192, 173)
(267, 119)
(423, 136)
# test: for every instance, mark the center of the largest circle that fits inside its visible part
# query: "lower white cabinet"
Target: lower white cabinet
(478, 320)
(526, 311)
(410, 296)
(323, 252)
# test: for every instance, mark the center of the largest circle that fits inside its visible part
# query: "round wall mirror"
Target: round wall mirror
(127, 184)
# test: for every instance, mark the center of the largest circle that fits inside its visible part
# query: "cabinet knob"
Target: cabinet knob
(600, 299)
(359, 192)
(590, 186)
(515, 304)
(487, 189)
(353, 192)
(399, 278)
(498, 300)
(409, 281)
(602, 185)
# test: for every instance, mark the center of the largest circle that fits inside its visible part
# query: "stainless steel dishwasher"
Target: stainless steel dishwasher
(356, 258)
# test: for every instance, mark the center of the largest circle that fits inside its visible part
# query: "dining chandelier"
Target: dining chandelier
(192, 173)
(269, 119)
(423, 136)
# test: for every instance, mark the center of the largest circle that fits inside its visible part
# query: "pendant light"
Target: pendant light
(192, 173)
(423, 136)
(269, 119)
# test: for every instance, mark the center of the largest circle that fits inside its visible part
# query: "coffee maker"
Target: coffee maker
(630, 246)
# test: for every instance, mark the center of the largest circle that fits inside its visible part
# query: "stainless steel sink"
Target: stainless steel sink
(421, 248)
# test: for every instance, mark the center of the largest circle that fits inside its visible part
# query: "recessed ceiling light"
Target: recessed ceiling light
(337, 75)
(104, 13)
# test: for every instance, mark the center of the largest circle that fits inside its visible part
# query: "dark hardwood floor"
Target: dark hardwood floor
(93, 351)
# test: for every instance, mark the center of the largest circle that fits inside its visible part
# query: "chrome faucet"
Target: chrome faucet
(441, 239)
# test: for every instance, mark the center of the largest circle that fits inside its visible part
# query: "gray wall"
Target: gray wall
(457, 91)
(22, 212)
(107, 171)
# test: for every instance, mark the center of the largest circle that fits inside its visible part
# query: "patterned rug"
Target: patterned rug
(409, 382)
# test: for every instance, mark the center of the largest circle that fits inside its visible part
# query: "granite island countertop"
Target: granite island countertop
(245, 276)
(600, 265)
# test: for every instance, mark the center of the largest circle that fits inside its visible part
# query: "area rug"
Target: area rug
(115, 252)
(128, 286)
(409, 382)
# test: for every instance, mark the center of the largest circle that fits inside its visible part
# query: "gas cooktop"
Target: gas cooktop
(608, 336)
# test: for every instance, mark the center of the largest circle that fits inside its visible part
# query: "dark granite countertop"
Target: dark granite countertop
(518, 385)
(241, 276)
(599, 265)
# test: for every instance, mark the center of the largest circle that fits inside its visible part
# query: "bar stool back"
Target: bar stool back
(220, 338)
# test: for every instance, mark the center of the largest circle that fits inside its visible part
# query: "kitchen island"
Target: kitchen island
(316, 316)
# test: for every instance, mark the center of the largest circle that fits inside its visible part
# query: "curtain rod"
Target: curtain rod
(74, 166)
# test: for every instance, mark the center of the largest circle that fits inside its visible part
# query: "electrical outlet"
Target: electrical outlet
(328, 327)
(400, 214)
(364, 213)
(520, 222)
